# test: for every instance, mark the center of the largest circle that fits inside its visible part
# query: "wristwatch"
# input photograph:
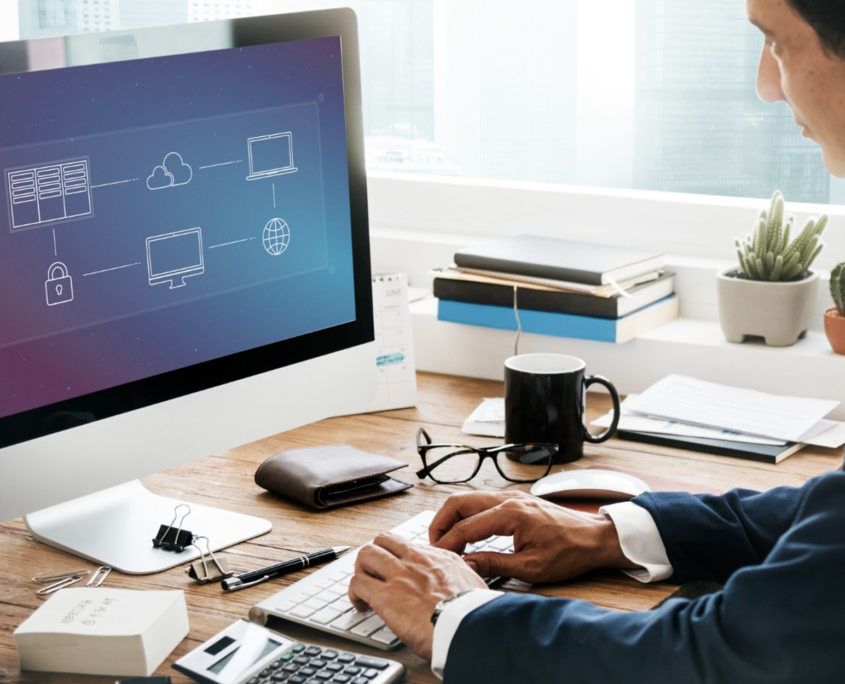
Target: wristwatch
(441, 606)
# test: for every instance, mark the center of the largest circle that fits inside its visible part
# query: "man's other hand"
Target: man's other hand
(551, 543)
(403, 584)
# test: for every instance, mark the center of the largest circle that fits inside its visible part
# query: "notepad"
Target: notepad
(697, 402)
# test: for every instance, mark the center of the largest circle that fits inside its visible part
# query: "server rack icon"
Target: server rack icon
(49, 193)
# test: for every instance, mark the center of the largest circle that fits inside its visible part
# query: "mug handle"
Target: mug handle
(614, 395)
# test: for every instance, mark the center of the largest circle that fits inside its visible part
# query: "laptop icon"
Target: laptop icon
(270, 155)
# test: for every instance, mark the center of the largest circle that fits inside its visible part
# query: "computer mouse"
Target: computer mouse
(598, 485)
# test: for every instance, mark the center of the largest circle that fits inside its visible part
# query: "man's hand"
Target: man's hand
(551, 543)
(404, 583)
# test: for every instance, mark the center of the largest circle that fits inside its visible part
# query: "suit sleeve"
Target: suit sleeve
(710, 537)
(779, 622)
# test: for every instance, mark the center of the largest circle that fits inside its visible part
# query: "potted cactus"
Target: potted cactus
(772, 293)
(834, 319)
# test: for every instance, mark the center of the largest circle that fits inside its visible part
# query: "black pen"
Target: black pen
(250, 579)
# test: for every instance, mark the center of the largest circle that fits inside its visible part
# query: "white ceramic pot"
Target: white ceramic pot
(781, 313)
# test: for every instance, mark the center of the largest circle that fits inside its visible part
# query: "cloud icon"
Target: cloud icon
(172, 172)
(182, 173)
(160, 179)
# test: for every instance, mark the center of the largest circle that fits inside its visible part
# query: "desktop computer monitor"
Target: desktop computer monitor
(174, 166)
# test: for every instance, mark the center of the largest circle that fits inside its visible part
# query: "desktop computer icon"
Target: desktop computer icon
(173, 257)
(270, 155)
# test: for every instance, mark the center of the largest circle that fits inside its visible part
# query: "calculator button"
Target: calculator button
(330, 655)
(325, 676)
(302, 660)
(307, 671)
(346, 658)
(360, 680)
(313, 651)
(287, 656)
(334, 667)
(291, 667)
(277, 664)
(280, 676)
(254, 680)
(371, 673)
(342, 679)
(319, 663)
(352, 670)
(296, 679)
(375, 663)
(299, 648)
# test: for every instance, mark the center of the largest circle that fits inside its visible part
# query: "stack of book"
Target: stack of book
(559, 288)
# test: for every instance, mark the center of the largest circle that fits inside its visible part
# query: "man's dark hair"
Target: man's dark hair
(827, 17)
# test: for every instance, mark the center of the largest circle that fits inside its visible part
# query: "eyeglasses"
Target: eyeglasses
(458, 463)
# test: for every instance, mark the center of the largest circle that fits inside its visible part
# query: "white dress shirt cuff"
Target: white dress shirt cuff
(640, 541)
(450, 620)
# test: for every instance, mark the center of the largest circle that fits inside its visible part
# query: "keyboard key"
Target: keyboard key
(334, 593)
(315, 603)
(325, 616)
(302, 612)
(375, 663)
(348, 620)
(384, 636)
(301, 597)
(325, 584)
(501, 543)
(369, 626)
(338, 577)
(287, 607)
(342, 605)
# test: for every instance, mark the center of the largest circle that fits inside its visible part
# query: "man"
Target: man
(780, 555)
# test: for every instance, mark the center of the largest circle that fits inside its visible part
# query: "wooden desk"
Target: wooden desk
(226, 480)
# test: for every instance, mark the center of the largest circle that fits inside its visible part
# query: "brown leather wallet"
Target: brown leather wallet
(328, 476)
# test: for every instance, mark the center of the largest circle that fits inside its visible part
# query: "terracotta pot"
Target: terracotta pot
(781, 313)
(834, 327)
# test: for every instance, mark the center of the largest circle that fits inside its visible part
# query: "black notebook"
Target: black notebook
(556, 259)
(765, 453)
(639, 297)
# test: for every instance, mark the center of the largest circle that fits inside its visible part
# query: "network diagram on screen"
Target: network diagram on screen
(229, 185)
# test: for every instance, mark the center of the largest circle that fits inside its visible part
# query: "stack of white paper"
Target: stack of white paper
(689, 407)
(103, 631)
(488, 420)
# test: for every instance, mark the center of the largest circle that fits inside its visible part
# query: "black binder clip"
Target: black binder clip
(204, 572)
(171, 538)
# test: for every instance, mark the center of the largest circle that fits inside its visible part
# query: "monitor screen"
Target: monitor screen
(143, 172)
(176, 253)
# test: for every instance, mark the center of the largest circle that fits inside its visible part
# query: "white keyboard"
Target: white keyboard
(320, 600)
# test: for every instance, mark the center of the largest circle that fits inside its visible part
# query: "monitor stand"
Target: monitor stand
(116, 527)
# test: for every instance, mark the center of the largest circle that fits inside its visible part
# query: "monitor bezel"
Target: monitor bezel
(15, 58)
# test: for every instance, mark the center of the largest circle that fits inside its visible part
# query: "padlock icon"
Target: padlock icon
(59, 285)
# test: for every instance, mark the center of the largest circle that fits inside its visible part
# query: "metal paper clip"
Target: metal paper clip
(99, 576)
(60, 576)
(174, 540)
(61, 584)
(200, 570)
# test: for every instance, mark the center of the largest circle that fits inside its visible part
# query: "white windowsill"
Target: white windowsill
(685, 346)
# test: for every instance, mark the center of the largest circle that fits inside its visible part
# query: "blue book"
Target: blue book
(560, 324)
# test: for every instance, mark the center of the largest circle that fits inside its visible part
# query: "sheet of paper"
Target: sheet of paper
(488, 419)
(630, 421)
(833, 436)
(684, 399)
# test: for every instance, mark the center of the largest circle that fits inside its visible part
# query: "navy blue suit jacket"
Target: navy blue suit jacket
(779, 619)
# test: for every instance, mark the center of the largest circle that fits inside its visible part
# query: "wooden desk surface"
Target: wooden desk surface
(226, 480)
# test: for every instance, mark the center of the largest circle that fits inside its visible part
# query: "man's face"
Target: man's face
(794, 67)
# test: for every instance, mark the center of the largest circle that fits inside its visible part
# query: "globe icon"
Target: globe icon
(276, 237)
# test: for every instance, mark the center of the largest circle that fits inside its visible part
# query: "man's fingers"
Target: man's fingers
(377, 561)
(494, 564)
(498, 521)
(461, 506)
(397, 546)
(363, 589)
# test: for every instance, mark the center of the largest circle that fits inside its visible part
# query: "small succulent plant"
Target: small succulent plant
(837, 287)
(767, 254)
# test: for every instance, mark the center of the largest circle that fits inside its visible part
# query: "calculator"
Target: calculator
(247, 653)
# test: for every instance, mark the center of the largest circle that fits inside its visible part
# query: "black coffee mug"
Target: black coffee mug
(545, 400)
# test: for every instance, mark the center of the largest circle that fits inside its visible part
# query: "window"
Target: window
(628, 94)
